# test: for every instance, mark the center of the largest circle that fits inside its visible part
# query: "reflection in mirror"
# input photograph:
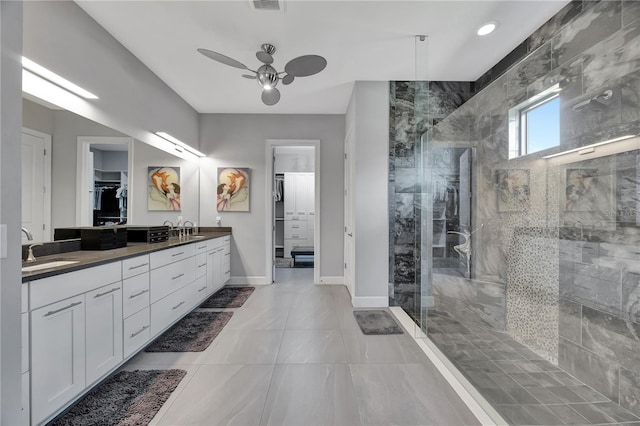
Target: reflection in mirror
(60, 191)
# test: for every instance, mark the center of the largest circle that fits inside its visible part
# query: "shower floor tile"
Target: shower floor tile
(523, 387)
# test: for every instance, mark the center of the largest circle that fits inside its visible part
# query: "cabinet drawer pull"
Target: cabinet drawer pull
(227, 254)
(289, 212)
(294, 218)
(177, 276)
(295, 235)
(227, 272)
(295, 226)
(106, 292)
(203, 288)
(178, 305)
(62, 309)
(140, 293)
(138, 332)
(300, 213)
(202, 266)
(177, 254)
(137, 266)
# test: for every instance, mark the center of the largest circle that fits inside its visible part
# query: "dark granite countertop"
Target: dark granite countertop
(90, 258)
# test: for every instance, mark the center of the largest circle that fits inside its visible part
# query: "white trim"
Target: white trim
(476, 403)
(84, 143)
(370, 302)
(48, 234)
(271, 143)
(248, 280)
(332, 280)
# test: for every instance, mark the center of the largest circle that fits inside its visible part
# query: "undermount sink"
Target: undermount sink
(48, 265)
(197, 236)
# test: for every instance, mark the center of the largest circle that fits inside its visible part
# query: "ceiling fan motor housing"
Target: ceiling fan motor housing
(267, 77)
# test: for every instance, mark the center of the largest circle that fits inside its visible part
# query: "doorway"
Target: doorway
(36, 184)
(293, 221)
(104, 165)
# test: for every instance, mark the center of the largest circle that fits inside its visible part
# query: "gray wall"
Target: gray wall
(10, 153)
(367, 116)
(239, 140)
(133, 100)
(37, 117)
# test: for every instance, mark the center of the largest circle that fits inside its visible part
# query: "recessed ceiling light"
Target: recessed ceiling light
(487, 28)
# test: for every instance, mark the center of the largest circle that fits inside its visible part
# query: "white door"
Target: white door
(34, 186)
(57, 356)
(349, 248)
(104, 330)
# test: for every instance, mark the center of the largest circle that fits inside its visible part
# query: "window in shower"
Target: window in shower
(534, 125)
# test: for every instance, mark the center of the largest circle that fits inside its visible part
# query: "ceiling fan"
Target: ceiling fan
(267, 76)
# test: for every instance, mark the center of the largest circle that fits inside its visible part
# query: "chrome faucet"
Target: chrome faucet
(170, 227)
(184, 227)
(28, 234)
(30, 256)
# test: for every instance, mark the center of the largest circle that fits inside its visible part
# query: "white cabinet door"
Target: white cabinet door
(226, 263)
(104, 330)
(218, 259)
(289, 195)
(57, 355)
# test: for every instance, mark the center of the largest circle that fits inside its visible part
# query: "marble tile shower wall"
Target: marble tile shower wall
(575, 304)
(414, 108)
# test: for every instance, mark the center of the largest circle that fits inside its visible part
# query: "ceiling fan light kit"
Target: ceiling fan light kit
(266, 75)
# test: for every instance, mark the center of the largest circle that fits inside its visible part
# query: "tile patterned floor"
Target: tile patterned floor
(294, 355)
(524, 388)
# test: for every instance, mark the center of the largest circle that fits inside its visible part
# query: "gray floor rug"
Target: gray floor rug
(228, 297)
(377, 322)
(127, 398)
(193, 333)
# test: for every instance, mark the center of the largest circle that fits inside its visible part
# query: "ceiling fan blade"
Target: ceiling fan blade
(222, 59)
(264, 57)
(306, 65)
(287, 79)
(251, 77)
(270, 97)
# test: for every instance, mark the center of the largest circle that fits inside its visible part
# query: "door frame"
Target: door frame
(47, 180)
(82, 190)
(271, 144)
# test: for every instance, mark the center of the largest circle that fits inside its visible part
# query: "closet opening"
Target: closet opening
(293, 208)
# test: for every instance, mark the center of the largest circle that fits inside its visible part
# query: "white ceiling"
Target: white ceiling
(361, 40)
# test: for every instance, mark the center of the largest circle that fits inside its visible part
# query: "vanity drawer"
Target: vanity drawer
(199, 290)
(135, 266)
(53, 289)
(161, 258)
(201, 246)
(215, 243)
(135, 295)
(171, 277)
(165, 311)
(201, 265)
(295, 230)
(136, 331)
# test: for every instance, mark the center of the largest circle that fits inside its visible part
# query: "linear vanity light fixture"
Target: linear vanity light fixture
(590, 148)
(179, 144)
(54, 78)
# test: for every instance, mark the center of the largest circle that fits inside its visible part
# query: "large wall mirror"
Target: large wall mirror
(76, 172)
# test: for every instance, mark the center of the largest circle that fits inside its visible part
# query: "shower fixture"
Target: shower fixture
(594, 103)
(465, 247)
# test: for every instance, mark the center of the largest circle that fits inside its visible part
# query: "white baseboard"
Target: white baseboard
(248, 280)
(477, 404)
(332, 280)
(370, 302)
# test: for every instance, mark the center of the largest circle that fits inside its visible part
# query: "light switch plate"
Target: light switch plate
(3, 241)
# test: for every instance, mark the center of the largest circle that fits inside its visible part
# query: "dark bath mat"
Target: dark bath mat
(377, 322)
(228, 297)
(193, 333)
(127, 398)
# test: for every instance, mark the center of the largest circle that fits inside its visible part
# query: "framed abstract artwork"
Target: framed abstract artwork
(513, 190)
(233, 189)
(589, 190)
(163, 188)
